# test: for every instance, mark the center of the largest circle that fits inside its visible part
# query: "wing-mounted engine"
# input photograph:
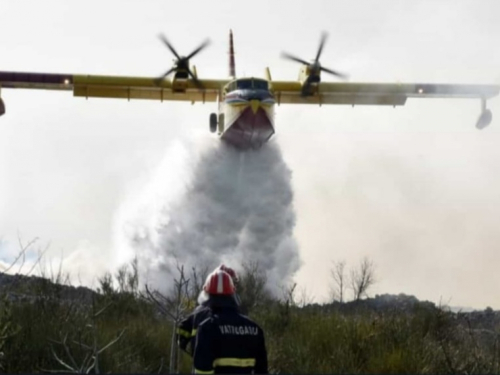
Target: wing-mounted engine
(181, 68)
(310, 72)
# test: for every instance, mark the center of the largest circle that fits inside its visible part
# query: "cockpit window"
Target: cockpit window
(259, 84)
(248, 84)
(244, 84)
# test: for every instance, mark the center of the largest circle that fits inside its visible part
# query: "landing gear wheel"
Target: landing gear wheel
(2, 107)
(213, 122)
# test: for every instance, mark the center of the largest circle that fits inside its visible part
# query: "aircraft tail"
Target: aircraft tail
(232, 68)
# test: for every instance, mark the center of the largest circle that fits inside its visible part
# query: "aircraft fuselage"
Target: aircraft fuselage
(246, 113)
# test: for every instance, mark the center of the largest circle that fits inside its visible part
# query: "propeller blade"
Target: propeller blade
(160, 78)
(314, 67)
(195, 79)
(293, 58)
(169, 46)
(321, 45)
(306, 88)
(197, 50)
(166, 73)
(338, 74)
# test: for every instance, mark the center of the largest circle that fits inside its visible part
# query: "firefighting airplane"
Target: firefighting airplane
(245, 115)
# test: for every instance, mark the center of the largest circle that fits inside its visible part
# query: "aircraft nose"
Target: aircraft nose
(255, 104)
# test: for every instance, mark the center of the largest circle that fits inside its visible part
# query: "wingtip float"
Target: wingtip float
(245, 105)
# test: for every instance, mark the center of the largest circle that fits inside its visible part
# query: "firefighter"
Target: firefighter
(187, 328)
(227, 342)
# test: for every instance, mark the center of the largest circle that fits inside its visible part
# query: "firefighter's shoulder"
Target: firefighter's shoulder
(188, 325)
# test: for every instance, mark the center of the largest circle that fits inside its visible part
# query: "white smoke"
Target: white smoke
(208, 203)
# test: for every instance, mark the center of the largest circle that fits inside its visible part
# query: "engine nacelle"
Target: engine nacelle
(2, 107)
(484, 119)
(309, 80)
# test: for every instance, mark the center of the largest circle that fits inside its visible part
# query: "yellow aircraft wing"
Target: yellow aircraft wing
(286, 92)
(116, 86)
(289, 92)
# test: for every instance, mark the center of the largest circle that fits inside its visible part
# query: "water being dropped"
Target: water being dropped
(209, 203)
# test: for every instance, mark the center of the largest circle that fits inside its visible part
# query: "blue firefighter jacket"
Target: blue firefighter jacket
(228, 342)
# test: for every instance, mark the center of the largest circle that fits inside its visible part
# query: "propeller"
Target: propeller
(315, 67)
(181, 63)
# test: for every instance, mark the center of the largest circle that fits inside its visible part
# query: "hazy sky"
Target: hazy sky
(414, 188)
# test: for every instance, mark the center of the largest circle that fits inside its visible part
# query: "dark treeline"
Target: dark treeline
(124, 328)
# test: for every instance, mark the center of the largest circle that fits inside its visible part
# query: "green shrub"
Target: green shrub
(47, 331)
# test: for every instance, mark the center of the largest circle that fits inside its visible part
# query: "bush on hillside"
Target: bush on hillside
(117, 328)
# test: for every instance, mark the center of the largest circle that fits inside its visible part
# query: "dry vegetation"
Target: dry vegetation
(121, 328)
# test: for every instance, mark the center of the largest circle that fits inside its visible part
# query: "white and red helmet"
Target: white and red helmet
(230, 271)
(219, 282)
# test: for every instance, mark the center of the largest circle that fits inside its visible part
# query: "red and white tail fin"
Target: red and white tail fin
(232, 68)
